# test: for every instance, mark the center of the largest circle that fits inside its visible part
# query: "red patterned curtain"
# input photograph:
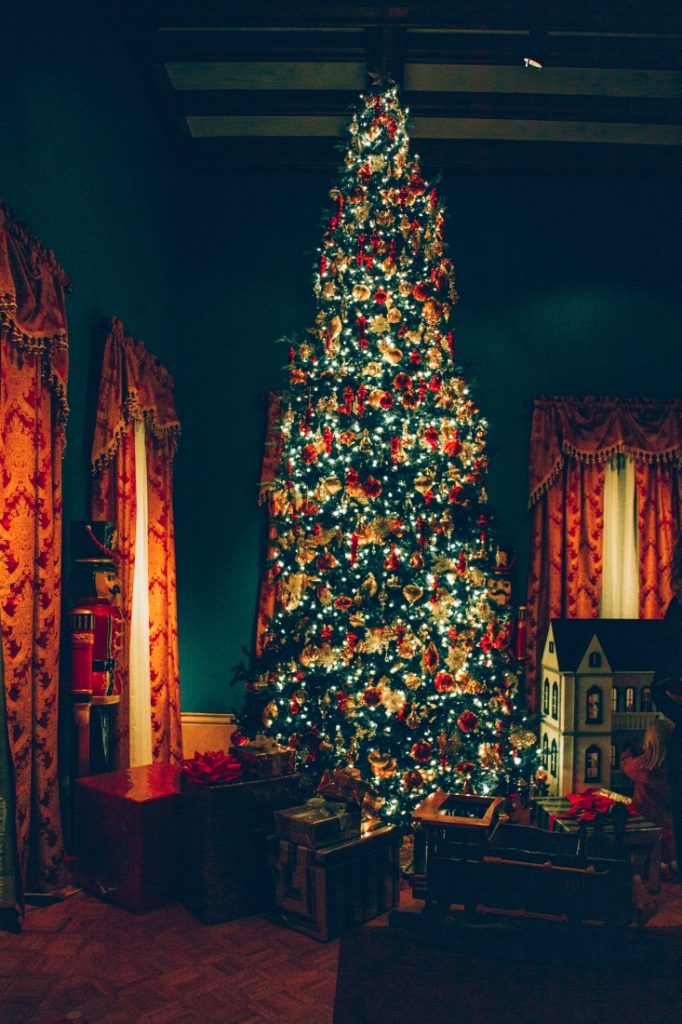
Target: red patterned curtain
(134, 387)
(268, 588)
(33, 411)
(571, 441)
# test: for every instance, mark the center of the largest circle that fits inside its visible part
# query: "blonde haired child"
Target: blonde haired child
(648, 771)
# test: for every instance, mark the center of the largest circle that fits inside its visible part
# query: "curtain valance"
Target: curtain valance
(592, 430)
(134, 386)
(32, 302)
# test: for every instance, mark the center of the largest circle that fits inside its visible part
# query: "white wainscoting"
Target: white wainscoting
(203, 731)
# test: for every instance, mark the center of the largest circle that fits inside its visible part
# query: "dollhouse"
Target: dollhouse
(595, 697)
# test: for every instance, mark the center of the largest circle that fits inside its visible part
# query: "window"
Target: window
(614, 699)
(630, 698)
(645, 703)
(593, 764)
(555, 700)
(594, 660)
(545, 697)
(551, 647)
(553, 757)
(593, 708)
(545, 751)
(613, 755)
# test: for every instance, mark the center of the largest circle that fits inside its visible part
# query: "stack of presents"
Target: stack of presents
(237, 834)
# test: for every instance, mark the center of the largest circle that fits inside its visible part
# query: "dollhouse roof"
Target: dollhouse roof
(630, 645)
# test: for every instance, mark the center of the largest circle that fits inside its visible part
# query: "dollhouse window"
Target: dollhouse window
(630, 698)
(645, 699)
(545, 751)
(545, 697)
(551, 647)
(614, 699)
(593, 706)
(553, 754)
(593, 764)
(594, 660)
(555, 700)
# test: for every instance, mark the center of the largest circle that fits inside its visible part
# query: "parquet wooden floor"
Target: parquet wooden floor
(85, 961)
(102, 965)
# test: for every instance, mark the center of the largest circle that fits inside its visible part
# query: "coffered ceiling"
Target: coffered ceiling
(270, 84)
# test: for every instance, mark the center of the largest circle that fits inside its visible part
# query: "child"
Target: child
(651, 797)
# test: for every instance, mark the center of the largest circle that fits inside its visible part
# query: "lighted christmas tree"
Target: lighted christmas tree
(385, 653)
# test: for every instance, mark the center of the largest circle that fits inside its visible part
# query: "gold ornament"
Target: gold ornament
(309, 655)
(383, 765)
(524, 739)
(369, 585)
(412, 681)
(430, 658)
(412, 593)
(269, 714)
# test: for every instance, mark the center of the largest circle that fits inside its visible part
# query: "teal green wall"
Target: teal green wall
(85, 165)
(568, 286)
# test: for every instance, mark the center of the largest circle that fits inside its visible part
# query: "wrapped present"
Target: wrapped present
(324, 892)
(212, 768)
(264, 758)
(222, 844)
(343, 784)
(318, 822)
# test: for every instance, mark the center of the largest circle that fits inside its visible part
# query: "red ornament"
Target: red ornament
(309, 454)
(372, 487)
(444, 682)
(348, 397)
(434, 383)
(431, 437)
(354, 540)
(352, 478)
(372, 696)
(238, 738)
(328, 439)
(456, 495)
(386, 400)
(421, 751)
(468, 721)
(380, 296)
(421, 291)
(413, 779)
(402, 382)
(361, 398)
(294, 707)
(342, 700)
(415, 357)
(392, 561)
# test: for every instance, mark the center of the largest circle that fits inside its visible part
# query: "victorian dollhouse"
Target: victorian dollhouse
(595, 697)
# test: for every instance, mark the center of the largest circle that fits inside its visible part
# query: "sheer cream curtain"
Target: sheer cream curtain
(140, 678)
(620, 558)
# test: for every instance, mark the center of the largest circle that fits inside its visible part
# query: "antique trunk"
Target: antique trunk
(127, 835)
(225, 871)
(324, 892)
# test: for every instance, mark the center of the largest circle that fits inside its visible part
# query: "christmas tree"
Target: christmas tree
(385, 653)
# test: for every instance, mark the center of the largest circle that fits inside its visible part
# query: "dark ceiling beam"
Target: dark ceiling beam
(563, 51)
(446, 156)
(517, 106)
(257, 44)
(583, 15)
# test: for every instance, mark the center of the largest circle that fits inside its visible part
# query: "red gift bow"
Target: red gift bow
(586, 806)
(212, 767)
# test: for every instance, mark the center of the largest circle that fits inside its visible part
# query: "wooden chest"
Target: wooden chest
(126, 835)
(324, 892)
(223, 845)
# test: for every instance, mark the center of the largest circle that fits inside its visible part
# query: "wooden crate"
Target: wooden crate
(223, 845)
(126, 835)
(324, 892)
